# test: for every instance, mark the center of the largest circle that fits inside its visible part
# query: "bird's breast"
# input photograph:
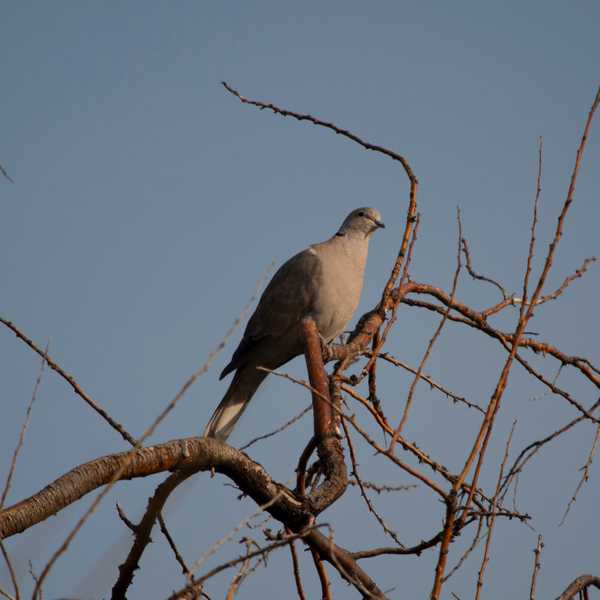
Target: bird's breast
(339, 293)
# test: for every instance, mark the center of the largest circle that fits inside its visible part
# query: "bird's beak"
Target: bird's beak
(380, 224)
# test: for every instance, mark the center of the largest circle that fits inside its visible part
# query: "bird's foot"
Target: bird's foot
(325, 350)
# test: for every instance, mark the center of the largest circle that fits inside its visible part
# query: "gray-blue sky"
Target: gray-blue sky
(147, 203)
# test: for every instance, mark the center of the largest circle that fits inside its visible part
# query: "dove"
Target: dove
(323, 282)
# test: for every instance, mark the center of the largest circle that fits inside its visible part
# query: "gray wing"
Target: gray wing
(289, 296)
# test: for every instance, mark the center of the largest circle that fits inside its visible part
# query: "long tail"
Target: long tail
(236, 399)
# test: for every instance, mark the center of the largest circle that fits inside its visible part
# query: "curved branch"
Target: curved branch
(194, 453)
(191, 455)
(577, 585)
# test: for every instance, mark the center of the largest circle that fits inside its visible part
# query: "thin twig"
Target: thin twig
(245, 570)
(306, 117)
(71, 381)
(363, 492)
(5, 173)
(431, 343)
(143, 531)
(381, 488)
(283, 427)
(492, 520)
(178, 557)
(454, 397)
(580, 272)
(474, 543)
(223, 540)
(40, 594)
(6, 595)
(323, 578)
(232, 563)
(11, 571)
(534, 221)
(474, 274)
(296, 570)
(13, 462)
(529, 451)
(537, 563)
(382, 338)
(586, 474)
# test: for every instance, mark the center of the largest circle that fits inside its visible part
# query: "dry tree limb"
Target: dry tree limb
(306, 454)
(478, 321)
(481, 442)
(537, 563)
(194, 454)
(410, 447)
(580, 584)
(401, 551)
(419, 454)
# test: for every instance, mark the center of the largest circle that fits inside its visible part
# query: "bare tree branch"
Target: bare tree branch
(577, 585)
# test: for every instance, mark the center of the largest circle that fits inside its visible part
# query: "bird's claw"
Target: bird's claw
(325, 353)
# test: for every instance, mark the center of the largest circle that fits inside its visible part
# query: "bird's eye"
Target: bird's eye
(361, 214)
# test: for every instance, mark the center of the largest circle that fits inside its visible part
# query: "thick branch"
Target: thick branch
(329, 447)
(195, 453)
(579, 584)
(189, 454)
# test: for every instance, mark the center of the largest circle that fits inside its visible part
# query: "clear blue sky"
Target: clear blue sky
(147, 203)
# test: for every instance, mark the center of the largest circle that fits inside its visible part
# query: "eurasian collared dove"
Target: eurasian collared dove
(323, 282)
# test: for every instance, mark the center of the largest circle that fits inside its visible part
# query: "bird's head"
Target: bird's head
(363, 221)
